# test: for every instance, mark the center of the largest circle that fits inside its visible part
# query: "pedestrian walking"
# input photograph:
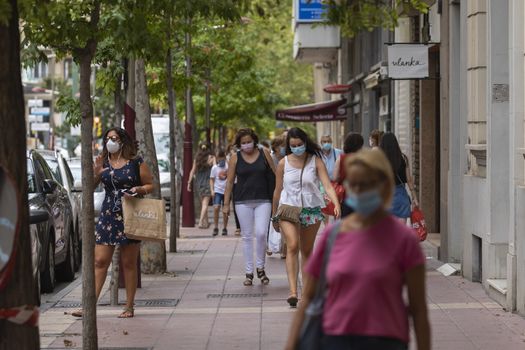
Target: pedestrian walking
(374, 140)
(201, 170)
(330, 154)
(353, 143)
(119, 169)
(231, 150)
(297, 201)
(253, 168)
(401, 204)
(371, 258)
(218, 176)
(278, 146)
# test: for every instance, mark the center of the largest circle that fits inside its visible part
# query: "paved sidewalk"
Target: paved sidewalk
(202, 304)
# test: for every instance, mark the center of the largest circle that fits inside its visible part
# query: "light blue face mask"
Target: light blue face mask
(327, 146)
(365, 203)
(282, 151)
(299, 150)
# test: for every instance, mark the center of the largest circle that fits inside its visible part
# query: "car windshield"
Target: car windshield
(31, 182)
(162, 143)
(77, 175)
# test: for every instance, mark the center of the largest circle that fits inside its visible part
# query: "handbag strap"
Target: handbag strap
(321, 283)
(301, 180)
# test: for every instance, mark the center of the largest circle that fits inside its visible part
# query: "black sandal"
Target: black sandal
(262, 275)
(249, 279)
(292, 300)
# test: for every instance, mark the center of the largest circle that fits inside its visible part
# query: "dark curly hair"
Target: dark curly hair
(353, 142)
(128, 145)
(245, 132)
(311, 146)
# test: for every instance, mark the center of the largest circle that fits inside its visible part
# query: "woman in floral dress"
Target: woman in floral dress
(119, 169)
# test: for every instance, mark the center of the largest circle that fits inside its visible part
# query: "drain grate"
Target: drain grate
(237, 295)
(139, 302)
(191, 252)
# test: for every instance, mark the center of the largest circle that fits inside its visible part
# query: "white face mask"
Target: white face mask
(112, 146)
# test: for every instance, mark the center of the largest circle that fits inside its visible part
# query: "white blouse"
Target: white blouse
(311, 194)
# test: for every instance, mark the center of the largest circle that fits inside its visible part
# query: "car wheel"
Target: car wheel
(66, 270)
(47, 277)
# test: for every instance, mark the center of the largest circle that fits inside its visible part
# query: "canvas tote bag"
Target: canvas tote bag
(144, 218)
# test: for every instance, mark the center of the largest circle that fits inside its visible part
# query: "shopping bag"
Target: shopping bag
(329, 206)
(417, 219)
(274, 241)
(144, 218)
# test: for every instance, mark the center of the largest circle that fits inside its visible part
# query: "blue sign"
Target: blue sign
(311, 11)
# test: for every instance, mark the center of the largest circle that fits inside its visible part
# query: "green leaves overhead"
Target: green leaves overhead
(354, 16)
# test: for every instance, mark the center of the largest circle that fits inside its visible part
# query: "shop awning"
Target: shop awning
(315, 112)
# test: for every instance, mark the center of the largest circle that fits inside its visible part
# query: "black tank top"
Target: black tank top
(401, 173)
(251, 183)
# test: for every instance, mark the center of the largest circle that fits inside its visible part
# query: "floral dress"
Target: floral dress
(110, 226)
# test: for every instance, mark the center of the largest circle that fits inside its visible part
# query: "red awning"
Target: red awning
(315, 112)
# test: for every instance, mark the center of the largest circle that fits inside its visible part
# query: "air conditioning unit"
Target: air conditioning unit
(383, 105)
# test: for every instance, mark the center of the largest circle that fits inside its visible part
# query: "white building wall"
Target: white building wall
(402, 122)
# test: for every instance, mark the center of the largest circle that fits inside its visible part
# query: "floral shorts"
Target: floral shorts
(310, 216)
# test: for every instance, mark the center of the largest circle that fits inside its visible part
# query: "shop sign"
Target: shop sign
(35, 103)
(408, 61)
(311, 11)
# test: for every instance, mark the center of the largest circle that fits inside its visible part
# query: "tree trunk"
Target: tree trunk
(174, 198)
(89, 302)
(20, 290)
(153, 254)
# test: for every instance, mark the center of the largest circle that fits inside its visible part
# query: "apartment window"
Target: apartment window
(477, 88)
(37, 72)
(68, 68)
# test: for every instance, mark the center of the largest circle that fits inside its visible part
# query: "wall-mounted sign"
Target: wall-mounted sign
(35, 118)
(408, 61)
(310, 11)
(40, 110)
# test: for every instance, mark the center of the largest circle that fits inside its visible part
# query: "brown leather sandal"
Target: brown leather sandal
(128, 312)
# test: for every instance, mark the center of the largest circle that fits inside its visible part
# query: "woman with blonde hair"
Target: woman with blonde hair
(370, 257)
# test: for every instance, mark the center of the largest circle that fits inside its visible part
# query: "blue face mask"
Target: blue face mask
(282, 151)
(365, 203)
(327, 146)
(221, 163)
(299, 150)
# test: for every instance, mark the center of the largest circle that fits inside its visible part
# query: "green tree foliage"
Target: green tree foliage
(354, 16)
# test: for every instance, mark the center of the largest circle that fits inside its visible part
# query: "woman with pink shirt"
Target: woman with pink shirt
(373, 257)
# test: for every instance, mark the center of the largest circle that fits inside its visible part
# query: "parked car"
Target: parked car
(56, 234)
(63, 175)
(36, 218)
(164, 179)
(76, 169)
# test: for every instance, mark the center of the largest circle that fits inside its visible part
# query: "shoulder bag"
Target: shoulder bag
(312, 328)
(291, 213)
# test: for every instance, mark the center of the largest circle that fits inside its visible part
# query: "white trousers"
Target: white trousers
(254, 219)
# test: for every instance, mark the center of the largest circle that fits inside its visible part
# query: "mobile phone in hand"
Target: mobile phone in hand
(129, 192)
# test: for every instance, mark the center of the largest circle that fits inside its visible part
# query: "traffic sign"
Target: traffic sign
(40, 126)
(35, 118)
(35, 103)
(311, 11)
(40, 110)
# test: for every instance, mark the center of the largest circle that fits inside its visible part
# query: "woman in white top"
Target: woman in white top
(299, 187)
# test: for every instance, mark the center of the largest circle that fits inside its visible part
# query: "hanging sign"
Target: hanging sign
(408, 61)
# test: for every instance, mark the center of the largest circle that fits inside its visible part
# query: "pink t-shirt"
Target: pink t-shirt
(365, 277)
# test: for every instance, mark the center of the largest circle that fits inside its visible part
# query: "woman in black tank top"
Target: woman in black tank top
(252, 196)
(401, 203)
